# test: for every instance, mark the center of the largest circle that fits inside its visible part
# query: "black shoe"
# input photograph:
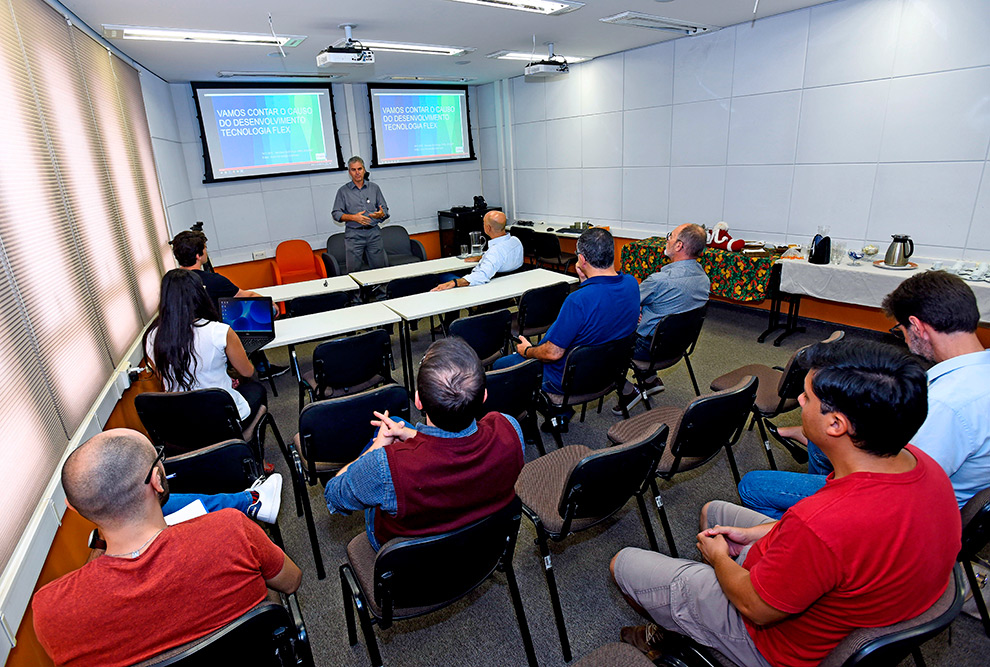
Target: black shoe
(273, 371)
(799, 453)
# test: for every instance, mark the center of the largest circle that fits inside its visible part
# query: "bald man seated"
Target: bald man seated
(156, 587)
(505, 253)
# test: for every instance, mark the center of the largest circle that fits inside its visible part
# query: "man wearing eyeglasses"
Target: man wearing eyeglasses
(937, 314)
(156, 587)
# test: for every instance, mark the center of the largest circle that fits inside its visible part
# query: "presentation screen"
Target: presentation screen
(416, 124)
(251, 130)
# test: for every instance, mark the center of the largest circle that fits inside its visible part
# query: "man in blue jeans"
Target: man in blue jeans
(603, 309)
(937, 314)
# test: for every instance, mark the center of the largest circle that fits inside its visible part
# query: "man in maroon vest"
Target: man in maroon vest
(441, 475)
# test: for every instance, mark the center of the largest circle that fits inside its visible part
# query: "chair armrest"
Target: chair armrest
(330, 264)
(417, 249)
(275, 272)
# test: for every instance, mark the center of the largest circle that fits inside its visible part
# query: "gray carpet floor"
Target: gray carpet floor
(481, 629)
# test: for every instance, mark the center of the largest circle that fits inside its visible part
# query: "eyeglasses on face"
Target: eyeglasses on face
(897, 331)
(160, 457)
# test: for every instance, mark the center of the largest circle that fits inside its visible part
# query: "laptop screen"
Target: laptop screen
(251, 315)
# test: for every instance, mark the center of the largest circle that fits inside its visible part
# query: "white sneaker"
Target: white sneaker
(269, 490)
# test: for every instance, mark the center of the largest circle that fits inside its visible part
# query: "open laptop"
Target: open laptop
(251, 319)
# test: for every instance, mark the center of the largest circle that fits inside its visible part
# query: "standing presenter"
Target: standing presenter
(361, 206)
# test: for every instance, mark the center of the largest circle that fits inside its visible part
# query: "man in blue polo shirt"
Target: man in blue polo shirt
(603, 309)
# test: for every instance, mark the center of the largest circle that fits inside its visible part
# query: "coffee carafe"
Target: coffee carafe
(899, 251)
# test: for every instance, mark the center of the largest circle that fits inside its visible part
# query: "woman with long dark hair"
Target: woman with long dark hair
(190, 348)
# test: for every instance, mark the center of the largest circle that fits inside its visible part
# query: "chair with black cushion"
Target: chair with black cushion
(399, 248)
(779, 391)
(515, 391)
(335, 258)
(525, 236)
(410, 577)
(272, 634)
(865, 647)
(318, 303)
(549, 254)
(188, 420)
(539, 308)
(332, 433)
(975, 536)
(590, 372)
(400, 287)
(674, 338)
(346, 365)
(226, 467)
(697, 433)
(575, 487)
(487, 334)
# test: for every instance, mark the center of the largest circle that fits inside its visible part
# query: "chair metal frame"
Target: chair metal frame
(975, 536)
(408, 572)
(674, 338)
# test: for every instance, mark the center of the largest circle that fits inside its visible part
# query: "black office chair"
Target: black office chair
(335, 258)
(319, 303)
(525, 236)
(332, 433)
(779, 391)
(487, 334)
(400, 287)
(399, 248)
(575, 488)
(539, 308)
(346, 365)
(975, 536)
(271, 634)
(865, 647)
(674, 338)
(697, 434)
(549, 254)
(590, 372)
(185, 421)
(226, 467)
(411, 577)
(515, 391)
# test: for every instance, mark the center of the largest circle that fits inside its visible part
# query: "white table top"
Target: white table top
(387, 273)
(863, 285)
(331, 323)
(505, 287)
(308, 288)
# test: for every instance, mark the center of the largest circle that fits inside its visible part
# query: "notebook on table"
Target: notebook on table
(251, 319)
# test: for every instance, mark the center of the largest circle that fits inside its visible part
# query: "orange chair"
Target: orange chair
(296, 262)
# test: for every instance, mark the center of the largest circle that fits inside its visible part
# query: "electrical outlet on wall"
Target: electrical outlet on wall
(258, 254)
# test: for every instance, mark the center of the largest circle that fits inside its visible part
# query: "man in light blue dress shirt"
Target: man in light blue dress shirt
(505, 253)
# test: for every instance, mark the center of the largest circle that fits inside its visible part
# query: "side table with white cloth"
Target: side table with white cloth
(863, 284)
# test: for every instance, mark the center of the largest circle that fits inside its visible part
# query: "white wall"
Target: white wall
(242, 217)
(871, 116)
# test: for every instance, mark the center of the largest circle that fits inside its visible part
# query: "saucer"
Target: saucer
(907, 267)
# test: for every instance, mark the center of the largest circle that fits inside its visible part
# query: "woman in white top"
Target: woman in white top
(189, 348)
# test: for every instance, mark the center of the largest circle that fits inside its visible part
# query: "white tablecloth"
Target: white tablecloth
(863, 285)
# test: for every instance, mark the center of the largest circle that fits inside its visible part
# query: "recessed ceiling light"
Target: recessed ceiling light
(227, 74)
(443, 79)
(546, 7)
(200, 36)
(641, 20)
(529, 56)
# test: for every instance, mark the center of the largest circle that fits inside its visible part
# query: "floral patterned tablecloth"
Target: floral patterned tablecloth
(734, 275)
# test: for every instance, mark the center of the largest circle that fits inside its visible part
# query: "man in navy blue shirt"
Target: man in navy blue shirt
(603, 309)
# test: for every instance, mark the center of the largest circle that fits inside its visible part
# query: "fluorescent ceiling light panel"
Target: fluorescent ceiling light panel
(641, 20)
(404, 47)
(199, 36)
(531, 57)
(546, 7)
(226, 74)
(444, 79)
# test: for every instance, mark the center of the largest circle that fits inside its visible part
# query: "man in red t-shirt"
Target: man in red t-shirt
(874, 546)
(156, 587)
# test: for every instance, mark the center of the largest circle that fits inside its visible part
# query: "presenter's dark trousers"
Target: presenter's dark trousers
(364, 245)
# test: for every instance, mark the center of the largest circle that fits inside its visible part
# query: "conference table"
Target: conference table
(417, 306)
(292, 291)
(371, 277)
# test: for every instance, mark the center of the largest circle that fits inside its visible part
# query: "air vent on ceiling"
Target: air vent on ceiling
(641, 20)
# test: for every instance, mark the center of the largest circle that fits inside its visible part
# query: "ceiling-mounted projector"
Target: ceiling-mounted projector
(351, 52)
(551, 66)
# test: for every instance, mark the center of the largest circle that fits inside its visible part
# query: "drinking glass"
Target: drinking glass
(465, 249)
(838, 252)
